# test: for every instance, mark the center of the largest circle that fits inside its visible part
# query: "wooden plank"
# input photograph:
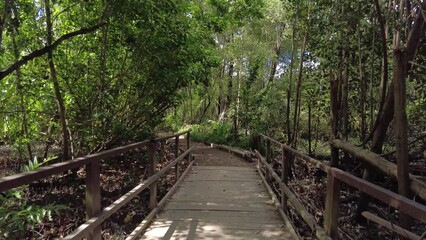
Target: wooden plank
(17, 180)
(199, 230)
(192, 230)
(93, 222)
(395, 228)
(397, 201)
(224, 169)
(151, 171)
(228, 226)
(219, 209)
(300, 155)
(332, 206)
(218, 214)
(93, 196)
(148, 219)
(223, 206)
(287, 223)
(300, 209)
(418, 187)
(183, 196)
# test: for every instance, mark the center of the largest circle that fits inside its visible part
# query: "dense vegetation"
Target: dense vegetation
(77, 77)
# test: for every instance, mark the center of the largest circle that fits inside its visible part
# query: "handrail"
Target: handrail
(93, 222)
(300, 209)
(13, 181)
(301, 155)
(417, 186)
(395, 200)
(335, 177)
(94, 214)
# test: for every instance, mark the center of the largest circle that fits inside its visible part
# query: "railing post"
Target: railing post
(152, 170)
(284, 177)
(176, 156)
(332, 205)
(188, 145)
(93, 196)
(268, 158)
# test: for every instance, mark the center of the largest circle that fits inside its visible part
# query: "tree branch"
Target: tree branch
(46, 49)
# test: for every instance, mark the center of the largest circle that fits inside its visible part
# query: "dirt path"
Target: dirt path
(208, 156)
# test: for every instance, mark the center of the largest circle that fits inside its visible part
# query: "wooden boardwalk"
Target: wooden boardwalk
(216, 202)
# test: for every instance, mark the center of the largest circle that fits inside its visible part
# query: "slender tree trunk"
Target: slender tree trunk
(334, 99)
(298, 93)
(230, 86)
(290, 84)
(363, 89)
(53, 77)
(373, 60)
(401, 126)
(385, 117)
(4, 18)
(220, 107)
(19, 89)
(309, 128)
(344, 106)
(401, 123)
(384, 77)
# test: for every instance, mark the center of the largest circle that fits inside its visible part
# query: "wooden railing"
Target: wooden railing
(91, 229)
(335, 177)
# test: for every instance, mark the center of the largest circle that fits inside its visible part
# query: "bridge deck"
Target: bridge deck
(216, 202)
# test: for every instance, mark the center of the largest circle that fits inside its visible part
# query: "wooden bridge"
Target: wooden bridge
(216, 202)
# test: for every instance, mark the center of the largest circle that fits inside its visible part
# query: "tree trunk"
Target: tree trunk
(363, 89)
(401, 122)
(53, 77)
(298, 94)
(19, 90)
(290, 84)
(230, 86)
(220, 107)
(385, 117)
(344, 105)
(401, 126)
(3, 19)
(334, 99)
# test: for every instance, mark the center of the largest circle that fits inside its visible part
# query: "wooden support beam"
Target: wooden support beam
(417, 186)
(299, 155)
(395, 228)
(332, 206)
(287, 222)
(298, 206)
(188, 144)
(152, 171)
(403, 204)
(268, 159)
(143, 226)
(95, 221)
(285, 164)
(176, 156)
(93, 196)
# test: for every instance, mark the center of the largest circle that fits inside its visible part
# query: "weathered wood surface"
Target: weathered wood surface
(219, 203)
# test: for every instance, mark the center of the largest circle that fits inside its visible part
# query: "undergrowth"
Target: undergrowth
(219, 133)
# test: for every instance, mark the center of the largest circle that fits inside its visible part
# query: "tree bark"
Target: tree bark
(19, 89)
(290, 85)
(3, 19)
(46, 49)
(363, 89)
(344, 105)
(54, 79)
(298, 93)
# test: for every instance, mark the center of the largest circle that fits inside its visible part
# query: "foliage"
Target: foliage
(217, 132)
(17, 216)
(33, 165)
